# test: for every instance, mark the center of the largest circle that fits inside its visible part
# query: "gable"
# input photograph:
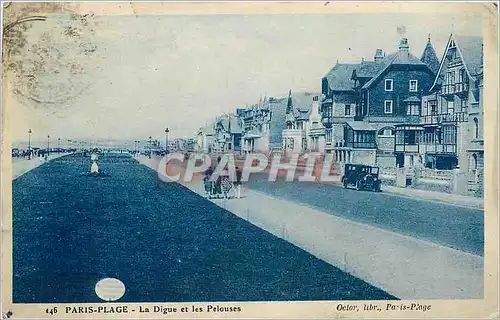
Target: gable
(396, 59)
(470, 53)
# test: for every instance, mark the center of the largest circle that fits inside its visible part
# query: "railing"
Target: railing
(362, 145)
(434, 174)
(454, 88)
(317, 131)
(406, 147)
(388, 171)
(455, 62)
(450, 148)
(460, 116)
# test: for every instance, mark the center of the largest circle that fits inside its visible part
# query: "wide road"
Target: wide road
(162, 241)
(452, 226)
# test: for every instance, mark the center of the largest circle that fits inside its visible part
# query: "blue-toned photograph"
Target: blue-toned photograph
(175, 158)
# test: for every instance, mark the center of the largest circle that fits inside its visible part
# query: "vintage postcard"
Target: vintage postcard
(251, 160)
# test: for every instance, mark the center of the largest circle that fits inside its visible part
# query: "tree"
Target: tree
(50, 64)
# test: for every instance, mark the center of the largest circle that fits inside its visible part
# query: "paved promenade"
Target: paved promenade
(402, 265)
(22, 165)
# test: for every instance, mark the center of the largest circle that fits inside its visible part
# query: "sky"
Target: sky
(157, 71)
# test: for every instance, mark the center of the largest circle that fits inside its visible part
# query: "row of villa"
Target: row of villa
(394, 111)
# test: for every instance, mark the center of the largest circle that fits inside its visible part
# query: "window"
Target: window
(413, 85)
(411, 137)
(388, 84)
(327, 111)
(461, 76)
(476, 128)
(400, 137)
(449, 135)
(413, 109)
(450, 107)
(347, 110)
(433, 107)
(450, 77)
(386, 132)
(388, 106)
(328, 135)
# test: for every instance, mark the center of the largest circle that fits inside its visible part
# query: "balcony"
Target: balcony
(445, 118)
(317, 132)
(361, 145)
(454, 88)
(449, 149)
(455, 62)
(406, 148)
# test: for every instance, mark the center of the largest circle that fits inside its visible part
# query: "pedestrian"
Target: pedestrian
(237, 183)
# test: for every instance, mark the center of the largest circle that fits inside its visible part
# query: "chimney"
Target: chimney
(379, 55)
(403, 45)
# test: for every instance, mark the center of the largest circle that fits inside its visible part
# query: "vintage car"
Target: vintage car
(362, 177)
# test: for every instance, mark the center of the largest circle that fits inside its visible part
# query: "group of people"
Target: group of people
(29, 154)
(223, 184)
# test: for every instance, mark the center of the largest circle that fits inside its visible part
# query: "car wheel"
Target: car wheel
(345, 184)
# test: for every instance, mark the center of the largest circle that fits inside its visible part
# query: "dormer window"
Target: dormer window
(388, 84)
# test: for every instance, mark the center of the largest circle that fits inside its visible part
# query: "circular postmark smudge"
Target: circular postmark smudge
(109, 289)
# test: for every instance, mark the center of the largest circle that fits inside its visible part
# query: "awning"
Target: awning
(360, 126)
(412, 99)
(252, 134)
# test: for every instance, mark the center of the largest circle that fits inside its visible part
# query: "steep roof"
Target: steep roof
(339, 77)
(429, 57)
(398, 58)
(368, 69)
(230, 123)
(277, 123)
(471, 50)
(302, 104)
(235, 124)
(207, 129)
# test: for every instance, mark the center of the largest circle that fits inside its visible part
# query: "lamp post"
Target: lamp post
(150, 147)
(29, 144)
(166, 140)
(58, 144)
(48, 145)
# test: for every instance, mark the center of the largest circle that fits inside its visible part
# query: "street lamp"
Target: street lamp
(136, 146)
(166, 140)
(58, 144)
(29, 143)
(48, 145)
(150, 150)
